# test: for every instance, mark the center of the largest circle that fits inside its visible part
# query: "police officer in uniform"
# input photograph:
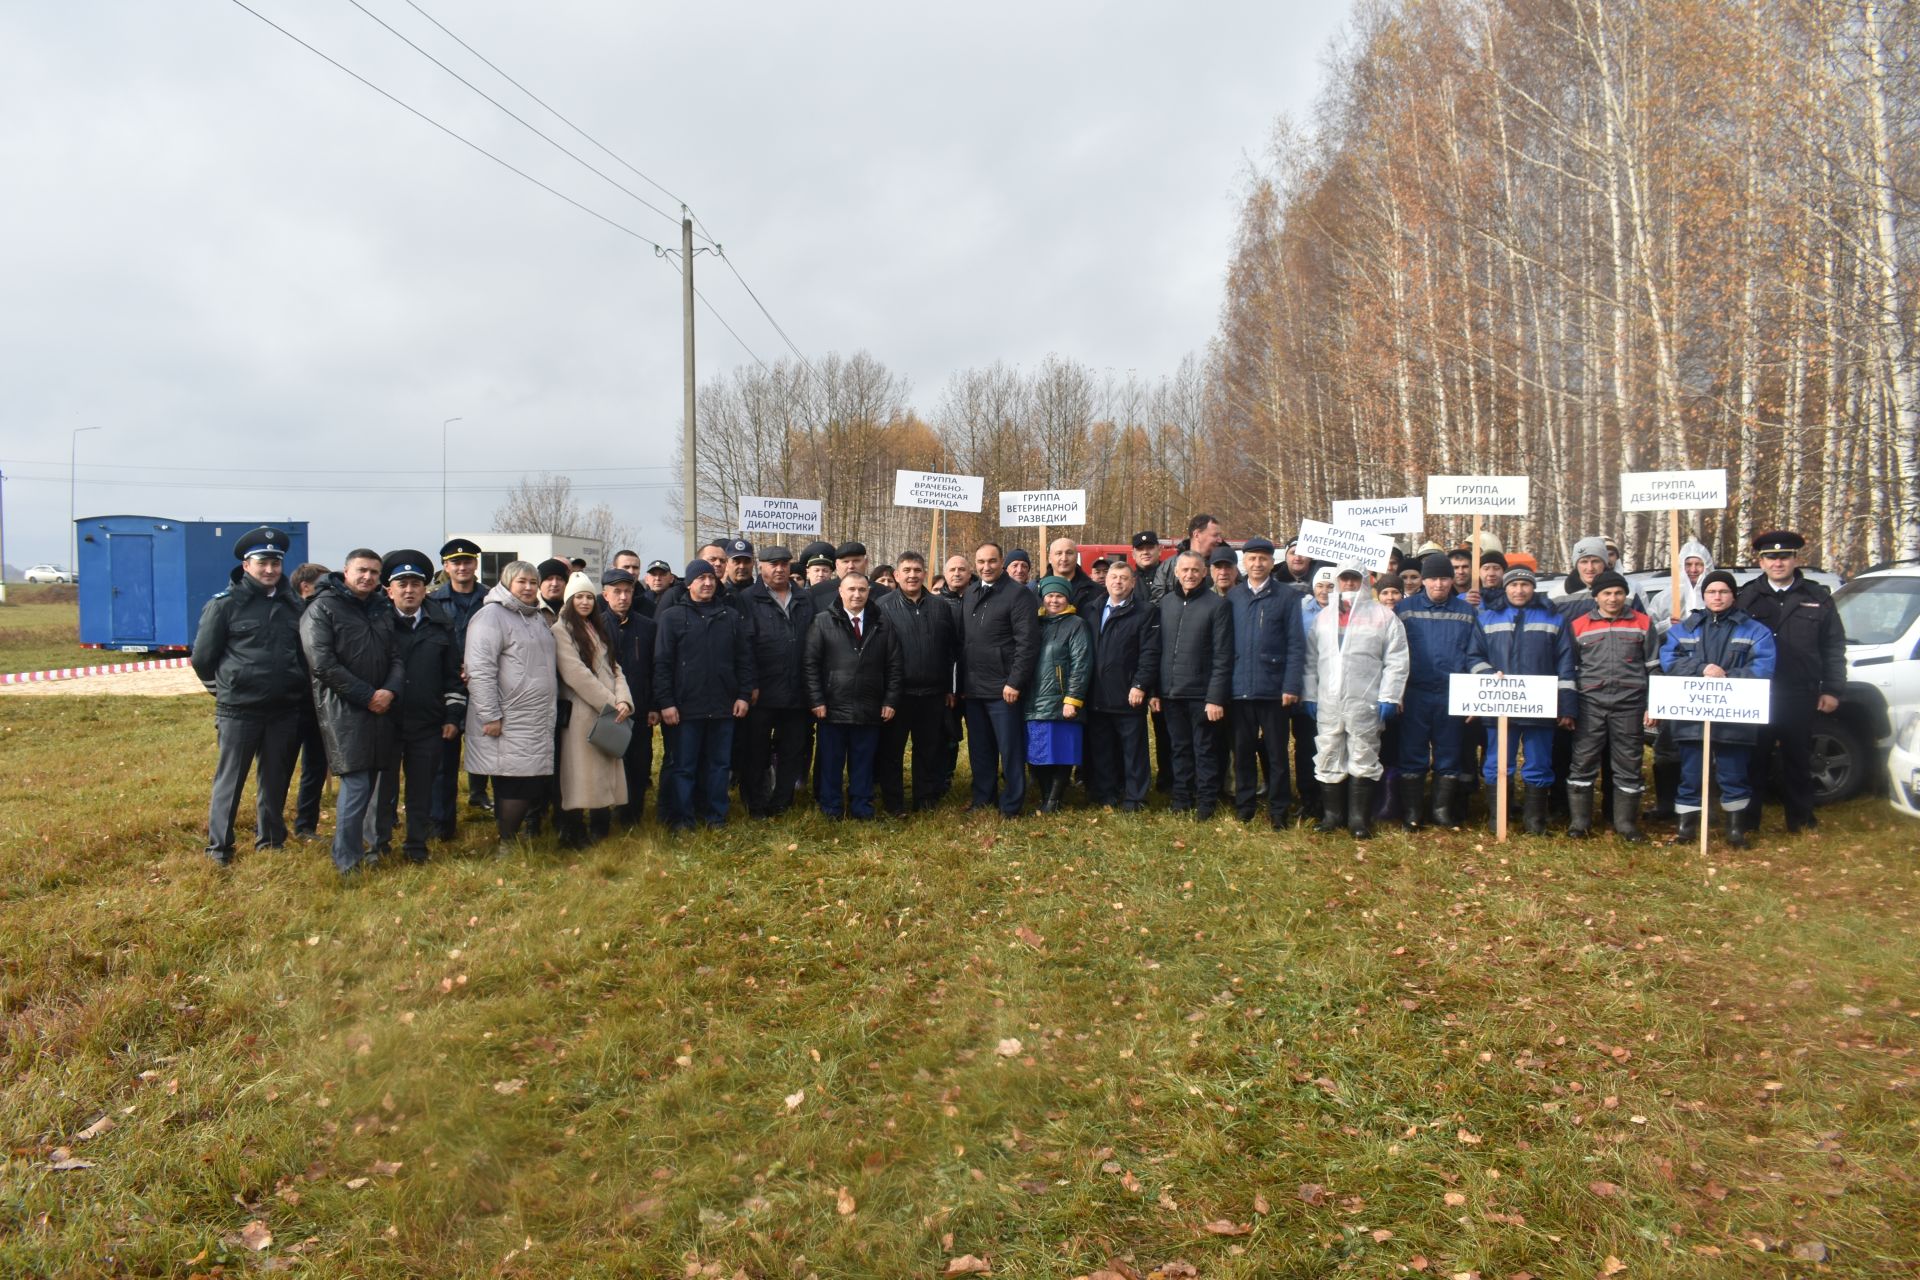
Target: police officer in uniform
(246, 651)
(1810, 670)
(459, 598)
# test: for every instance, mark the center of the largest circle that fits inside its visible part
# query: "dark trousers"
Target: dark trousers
(638, 765)
(1429, 737)
(775, 758)
(846, 768)
(1606, 734)
(1788, 737)
(312, 749)
(693, 786)
(1117, 769)
(1195, 755)
(1260, 732)
(242, 741)
(1732, 769)
(1304, 729)
(446, 786)
(420, 759)
(919, 720)
(1163, 752)
(996, 745)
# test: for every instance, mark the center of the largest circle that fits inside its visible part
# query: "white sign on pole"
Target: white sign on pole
(937, 491)
(1673, 490)
(1489, 695)
(780, 515)
(1381, 515)
(1733, 700)
(1319, 540)
(1478, 495)
(1019, 507)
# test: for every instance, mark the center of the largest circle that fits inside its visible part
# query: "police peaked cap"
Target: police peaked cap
(1779, 542)
(1144, 539)
(406, 563)
(456, 548)
(263, 541)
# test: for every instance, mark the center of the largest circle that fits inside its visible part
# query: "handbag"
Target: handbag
(610, 735)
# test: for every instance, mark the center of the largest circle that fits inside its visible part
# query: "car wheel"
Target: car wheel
(1840, 761)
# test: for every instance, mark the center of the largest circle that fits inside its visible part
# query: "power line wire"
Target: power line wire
(555, 113)
(304, 471)
(443, 128)
(368, 489)
(617, 185)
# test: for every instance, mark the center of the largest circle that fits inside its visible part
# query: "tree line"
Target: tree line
(1559, 238)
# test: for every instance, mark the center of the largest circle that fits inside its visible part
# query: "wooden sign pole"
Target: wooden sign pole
(1706, 782)
(1673, 541)
(933, 532)
(1500, 787)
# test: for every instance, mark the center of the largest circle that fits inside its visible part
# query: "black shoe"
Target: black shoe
(1688, 831)
(1204, 813)
(1413, 799)
(1793, 828)
(1446, 795)
(1580, 807)
(1360, 806)
(415, 856)
(481, 803)
(220, 857)
(1666, 785)
(1333, 807)
(1533, 808)
(1128, 806)
(444, 831)
(305, 836)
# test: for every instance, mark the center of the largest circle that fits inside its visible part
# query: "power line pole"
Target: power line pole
(686, 321)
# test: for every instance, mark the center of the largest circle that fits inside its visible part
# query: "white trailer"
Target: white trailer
(500, 549)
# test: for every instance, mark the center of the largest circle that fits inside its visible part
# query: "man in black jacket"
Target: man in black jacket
(1196, 682)
(779, 727)
(854, 675)
(433, 703)
(1809, 671)
(246, 651)
(928, 630)
(1001, 642)
(630, 633)
(1126, 664)
(1063, 558)
(347, 634)
(703, 680)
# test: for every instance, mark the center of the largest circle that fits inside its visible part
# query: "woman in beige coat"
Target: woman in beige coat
(591, 782)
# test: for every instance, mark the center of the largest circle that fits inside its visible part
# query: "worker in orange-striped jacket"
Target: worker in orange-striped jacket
(1614, 649)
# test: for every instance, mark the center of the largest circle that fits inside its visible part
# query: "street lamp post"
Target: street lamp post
(443, 475)
(73, 491)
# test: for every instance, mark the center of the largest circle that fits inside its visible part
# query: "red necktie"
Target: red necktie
(856, 629)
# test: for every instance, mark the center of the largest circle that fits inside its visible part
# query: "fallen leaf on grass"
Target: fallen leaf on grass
(1177, 1269)
(255, 1235)
(1168, 1203)
(505, 1087)
(1605, 1190)
(1713, 1190)
(1468, 1139)
(1131, 1183)
(63, 1161)
(1110, 1166)
(1313, 1193)
(103, 1125)
(795, 1099)
(1381, 1235)
(1007, 1048)
(1223, 1227)
(1811, 1251)
(354, 1184)
(967, 1265)
(844, 1202)
(1028, 936)
(1454, 1198)
(385, 1168)
(1612, 1266)
(1260, 1205)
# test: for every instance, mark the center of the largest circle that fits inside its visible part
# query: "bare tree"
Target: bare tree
(546, 504)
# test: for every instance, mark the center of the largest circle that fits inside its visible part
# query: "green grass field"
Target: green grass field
(1060, 1045)
(40, 629)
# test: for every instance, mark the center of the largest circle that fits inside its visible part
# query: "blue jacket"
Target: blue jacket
(1269, 645)
(702, 660)
(1534, 641)
(1732, 641)
(1442, 640)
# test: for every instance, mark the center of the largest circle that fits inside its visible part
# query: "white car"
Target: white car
(47, 573)
(1881, 612)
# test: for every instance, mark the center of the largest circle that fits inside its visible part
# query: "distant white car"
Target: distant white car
(47, 573)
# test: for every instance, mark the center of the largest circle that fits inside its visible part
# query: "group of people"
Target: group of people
(1249, 678)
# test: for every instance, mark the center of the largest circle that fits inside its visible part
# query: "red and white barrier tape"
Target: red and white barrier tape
(75, 673)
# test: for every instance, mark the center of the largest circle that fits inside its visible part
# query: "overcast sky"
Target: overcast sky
(268, 286)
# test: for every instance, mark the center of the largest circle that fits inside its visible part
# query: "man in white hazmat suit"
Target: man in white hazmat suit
(1355, 677)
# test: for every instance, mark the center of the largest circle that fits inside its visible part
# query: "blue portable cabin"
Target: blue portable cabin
(144, 579)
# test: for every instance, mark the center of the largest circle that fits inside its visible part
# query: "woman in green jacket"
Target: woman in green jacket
(1060, 682)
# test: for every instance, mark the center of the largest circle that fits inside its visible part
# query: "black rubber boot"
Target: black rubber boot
(1626, 816)
(1533, 808)
(1580, 811)
(1689, 828)
(1738, 826)
(1055, 792)
(1666, 786)
(1447, 795)
(1413, 800)
(1360, 806)
(1333, 807)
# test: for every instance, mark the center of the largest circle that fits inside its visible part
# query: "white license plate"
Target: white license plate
(134, 648)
